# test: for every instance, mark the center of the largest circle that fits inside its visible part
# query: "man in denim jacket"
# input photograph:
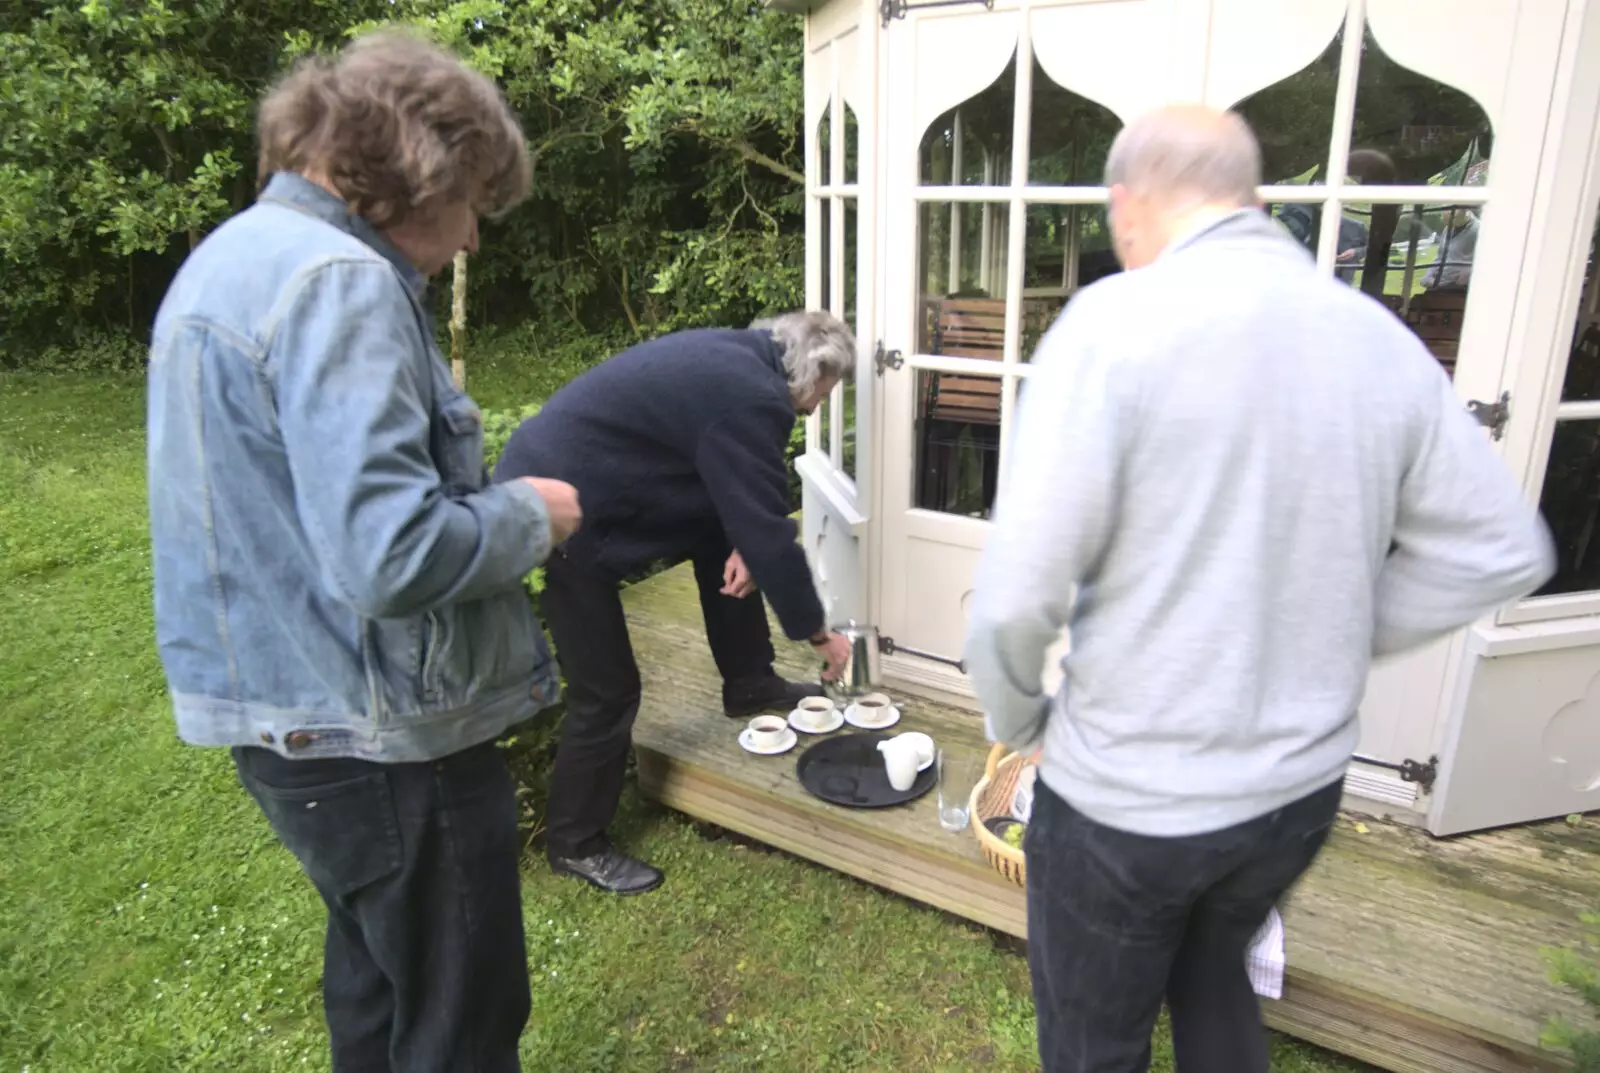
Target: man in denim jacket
(338, 592)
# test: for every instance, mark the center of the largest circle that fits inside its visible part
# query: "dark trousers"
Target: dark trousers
(1117, 922)
(583, 608)
(424, 969)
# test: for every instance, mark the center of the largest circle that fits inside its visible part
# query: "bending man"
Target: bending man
(677, 448)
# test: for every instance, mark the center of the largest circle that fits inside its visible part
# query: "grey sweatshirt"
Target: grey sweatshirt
(1237, 481)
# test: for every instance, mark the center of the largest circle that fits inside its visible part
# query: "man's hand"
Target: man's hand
(736, 579)
(836, 650)
(561, 499)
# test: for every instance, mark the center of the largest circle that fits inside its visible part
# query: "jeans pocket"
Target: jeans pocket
(343, 831)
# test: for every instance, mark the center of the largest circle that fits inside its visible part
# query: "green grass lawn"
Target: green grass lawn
(149, 922)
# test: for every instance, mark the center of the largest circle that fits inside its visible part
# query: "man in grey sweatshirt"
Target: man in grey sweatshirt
(1237, 481)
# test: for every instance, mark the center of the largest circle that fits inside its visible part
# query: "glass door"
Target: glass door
(834, 469)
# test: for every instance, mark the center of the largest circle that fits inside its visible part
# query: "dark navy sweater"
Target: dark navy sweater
(672, 444)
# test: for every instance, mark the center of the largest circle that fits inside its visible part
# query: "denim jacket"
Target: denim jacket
(334, 576)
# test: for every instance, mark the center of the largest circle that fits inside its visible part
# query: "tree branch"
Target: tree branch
(747, 152)
(756, 156)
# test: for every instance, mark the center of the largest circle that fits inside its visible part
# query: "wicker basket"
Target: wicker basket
(991, 798)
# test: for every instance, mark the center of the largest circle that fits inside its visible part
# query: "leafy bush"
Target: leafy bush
(1579, 971)
(669, 189)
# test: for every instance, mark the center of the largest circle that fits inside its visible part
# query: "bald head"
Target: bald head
(1174, 166)
(1187, 153)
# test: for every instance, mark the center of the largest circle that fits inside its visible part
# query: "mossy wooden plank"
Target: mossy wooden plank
(1415, 954)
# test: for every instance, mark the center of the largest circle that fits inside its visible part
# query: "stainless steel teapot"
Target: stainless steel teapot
(863, 671)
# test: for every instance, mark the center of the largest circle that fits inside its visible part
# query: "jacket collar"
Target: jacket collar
(301, 194)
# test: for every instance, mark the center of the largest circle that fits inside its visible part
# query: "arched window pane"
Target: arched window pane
(823, 146)
(1410, 129)
(1069, 135)
(970, 145)
(852, 145)
(1293, 121)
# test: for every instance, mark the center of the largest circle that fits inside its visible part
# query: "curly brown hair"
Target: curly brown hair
(395, 125)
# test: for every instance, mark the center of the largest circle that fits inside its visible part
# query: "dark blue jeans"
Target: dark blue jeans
(1117, 922)
(424, 968)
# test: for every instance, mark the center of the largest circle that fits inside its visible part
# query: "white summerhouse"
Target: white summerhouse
(1442, 155)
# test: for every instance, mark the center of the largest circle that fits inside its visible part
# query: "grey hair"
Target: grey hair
(816, 346)
(1187, 154)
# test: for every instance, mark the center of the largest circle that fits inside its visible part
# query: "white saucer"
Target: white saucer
(835, 721)
(785, 743)
(853, 717)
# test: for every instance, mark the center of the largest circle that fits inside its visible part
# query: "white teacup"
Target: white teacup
(873, 707)
(766, 731)
(814, 712)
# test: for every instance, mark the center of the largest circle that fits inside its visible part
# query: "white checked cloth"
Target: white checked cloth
(1264, 959)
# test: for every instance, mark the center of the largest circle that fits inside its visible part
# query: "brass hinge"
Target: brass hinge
(1419, 772)
(896, 9)
(1492, 415)
(883, 358)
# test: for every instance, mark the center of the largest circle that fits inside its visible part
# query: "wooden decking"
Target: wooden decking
(1414, 954)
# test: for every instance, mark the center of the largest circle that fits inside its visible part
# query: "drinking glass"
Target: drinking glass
(958, 774)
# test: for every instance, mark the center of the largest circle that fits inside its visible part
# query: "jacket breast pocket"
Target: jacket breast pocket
(458, 445)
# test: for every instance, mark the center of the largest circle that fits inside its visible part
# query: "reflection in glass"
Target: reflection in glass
(849, 412)
(1070, 135)
(1570, 503)
(825, 427)
(823, 150)
(1293, 121)
(1417, 260)
(1068, 247)
(1583, 363)
(958, 443)
(825, 247)
(970, 145)
(851, 224)
(1418, 130)
(961, 274)
(1304, 224)
(852, 144)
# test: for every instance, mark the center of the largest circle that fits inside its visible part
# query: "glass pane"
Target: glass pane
(1571, 505)
(824, 427)
(1410, 129)
(849, 411)
(852, 144)
(1293, 121)
(1583, 363)
(1417, 260)
(823, 145)
(958, 443)
(961, 271)
(851, 252)
(970, 145)
(1070, 135)
(1068, 247)
(825, 252)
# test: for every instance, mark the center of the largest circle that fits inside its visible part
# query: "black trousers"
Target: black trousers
(1117, 922)
(583, 608)
(424, 968)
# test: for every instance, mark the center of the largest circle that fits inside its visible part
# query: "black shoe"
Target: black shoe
(746, 697)
(611, 870)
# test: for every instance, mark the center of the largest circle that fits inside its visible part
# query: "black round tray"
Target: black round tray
(849, 771)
